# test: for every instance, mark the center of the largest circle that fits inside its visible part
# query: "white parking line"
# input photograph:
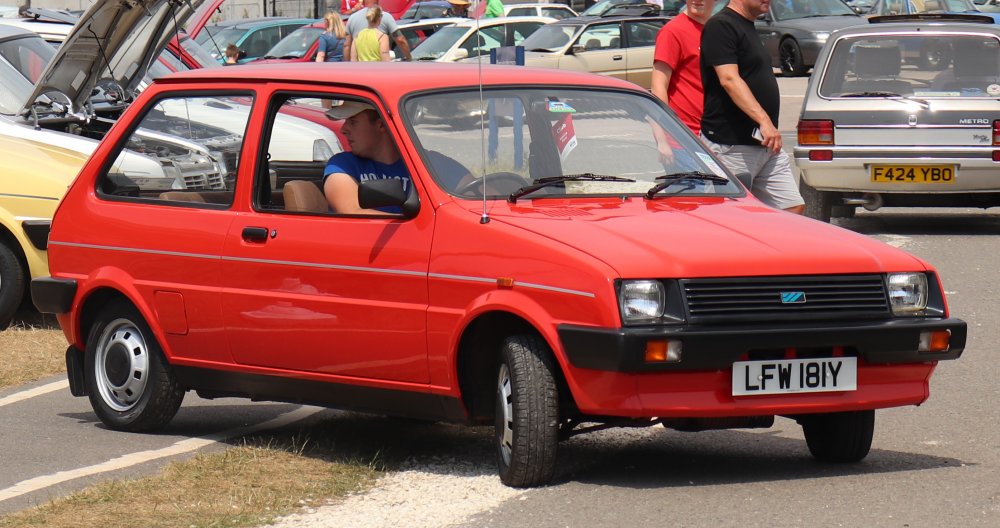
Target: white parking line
(131, 459)
(31, 393)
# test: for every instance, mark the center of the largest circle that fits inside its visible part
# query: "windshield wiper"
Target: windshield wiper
(546, 50)
(670, 179)
(892, 96)
(556, 180)
(428, 58)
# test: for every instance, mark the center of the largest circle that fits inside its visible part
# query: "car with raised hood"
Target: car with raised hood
(882, 127)
(581, 261)
(472, 38)
(618, 46)
(69, 100)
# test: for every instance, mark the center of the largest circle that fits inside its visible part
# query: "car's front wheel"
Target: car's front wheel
(12, 277)
(129, 381)
(819, 204)
(839, 437)
(790, 56)
(527, 413)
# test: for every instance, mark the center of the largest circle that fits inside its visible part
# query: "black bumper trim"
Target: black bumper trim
(717, 347)
(52, 295)
(37, 232)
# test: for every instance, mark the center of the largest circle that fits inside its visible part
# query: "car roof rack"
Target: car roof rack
(932, 17)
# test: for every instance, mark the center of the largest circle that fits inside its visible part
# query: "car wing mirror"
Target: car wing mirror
(388, 192)
(460, 53)
(766, 17)
(577, 48)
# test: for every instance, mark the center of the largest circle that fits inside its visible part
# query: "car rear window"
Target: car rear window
(923, 65)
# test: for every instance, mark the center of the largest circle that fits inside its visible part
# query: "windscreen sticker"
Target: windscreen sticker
(561, 107)
(712, 165)
(565, 135)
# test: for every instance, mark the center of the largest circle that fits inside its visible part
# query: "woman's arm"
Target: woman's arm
(383, 47)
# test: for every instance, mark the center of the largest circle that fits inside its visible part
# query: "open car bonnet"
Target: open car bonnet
(113, 44)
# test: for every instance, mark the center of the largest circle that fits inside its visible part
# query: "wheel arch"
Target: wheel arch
(478, 358)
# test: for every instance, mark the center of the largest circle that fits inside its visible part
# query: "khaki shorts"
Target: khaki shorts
(770, 175)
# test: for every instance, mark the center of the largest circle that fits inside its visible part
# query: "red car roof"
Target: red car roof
(384, 78)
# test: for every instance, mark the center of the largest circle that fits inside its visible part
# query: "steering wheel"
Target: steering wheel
(501, 182)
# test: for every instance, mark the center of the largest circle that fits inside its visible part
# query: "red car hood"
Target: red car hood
(703, 237)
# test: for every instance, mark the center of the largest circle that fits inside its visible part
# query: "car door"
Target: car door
(639, 53)
(309, 290)
(598, 50)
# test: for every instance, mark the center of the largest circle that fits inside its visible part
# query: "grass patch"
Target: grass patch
(30, 353)
(248, 485)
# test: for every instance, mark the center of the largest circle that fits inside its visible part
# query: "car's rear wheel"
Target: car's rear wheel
(129, 381)
(839, 437)
(790, 56)
(819, 204)
(527, 413)
(12, 279)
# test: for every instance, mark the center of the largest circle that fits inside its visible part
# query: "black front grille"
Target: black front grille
(752, 299)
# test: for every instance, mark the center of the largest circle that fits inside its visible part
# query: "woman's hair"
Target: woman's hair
(335, 25)
(374, 15)
(232, 51)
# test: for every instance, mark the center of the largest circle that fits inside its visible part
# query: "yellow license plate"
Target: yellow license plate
(913, 173)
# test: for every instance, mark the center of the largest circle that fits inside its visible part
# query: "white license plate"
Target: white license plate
(780, 376)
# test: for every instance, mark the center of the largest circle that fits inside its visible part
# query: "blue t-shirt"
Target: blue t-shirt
(332, 46)
(363, 169)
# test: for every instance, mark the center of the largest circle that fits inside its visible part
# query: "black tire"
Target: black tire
(129, 381)
(12, 284)
(839, 437)
(819, 204)
(790, 57)
(527, 413)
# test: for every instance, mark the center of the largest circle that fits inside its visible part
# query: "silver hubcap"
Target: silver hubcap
(506, 434)
(121, 365)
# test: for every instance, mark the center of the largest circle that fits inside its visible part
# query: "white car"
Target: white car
(557, 11)
(458, 42)
(53, 26)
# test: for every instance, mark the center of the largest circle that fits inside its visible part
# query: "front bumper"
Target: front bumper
(849, 169)
(717, 347)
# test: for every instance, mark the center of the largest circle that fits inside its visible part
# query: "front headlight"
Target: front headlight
(907, 292)
(641, 301)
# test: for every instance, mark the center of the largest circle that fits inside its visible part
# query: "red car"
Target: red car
(571, 257)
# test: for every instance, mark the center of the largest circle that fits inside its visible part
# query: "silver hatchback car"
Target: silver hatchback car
(880, 127)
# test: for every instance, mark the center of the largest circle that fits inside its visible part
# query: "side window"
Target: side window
(522, 30)
(185, 149)
(521, 11)
(305, 142)
(261, 41)
(642, 32)
(556, 13)
(601, 37)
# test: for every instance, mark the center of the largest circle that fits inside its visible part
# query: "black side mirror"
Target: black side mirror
(373, 194)
(242, 55)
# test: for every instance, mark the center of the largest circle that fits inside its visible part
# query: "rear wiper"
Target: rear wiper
(670, 179)
(892, 96)
(556, 180)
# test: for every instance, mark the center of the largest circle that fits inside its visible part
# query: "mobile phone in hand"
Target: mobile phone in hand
(757, 135)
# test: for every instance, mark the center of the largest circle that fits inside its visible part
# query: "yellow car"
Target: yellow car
(33, 179)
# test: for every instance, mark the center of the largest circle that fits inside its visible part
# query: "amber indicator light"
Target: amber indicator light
(505, 282)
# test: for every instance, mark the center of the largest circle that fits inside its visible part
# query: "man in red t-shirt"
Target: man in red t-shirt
(677, 63)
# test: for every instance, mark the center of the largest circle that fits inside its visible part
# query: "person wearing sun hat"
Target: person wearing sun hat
(458, 9)
(373, 156)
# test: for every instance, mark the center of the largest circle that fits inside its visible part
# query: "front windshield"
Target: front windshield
(296, 44)
(439, 43)
(551, 37)
(793, 9)
(541, 132)
(218, 40)
(914, 65)
(599, 8)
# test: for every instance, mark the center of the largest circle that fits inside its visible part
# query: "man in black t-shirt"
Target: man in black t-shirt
(742, 103)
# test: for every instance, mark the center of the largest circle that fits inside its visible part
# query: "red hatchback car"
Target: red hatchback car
(560, 251)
